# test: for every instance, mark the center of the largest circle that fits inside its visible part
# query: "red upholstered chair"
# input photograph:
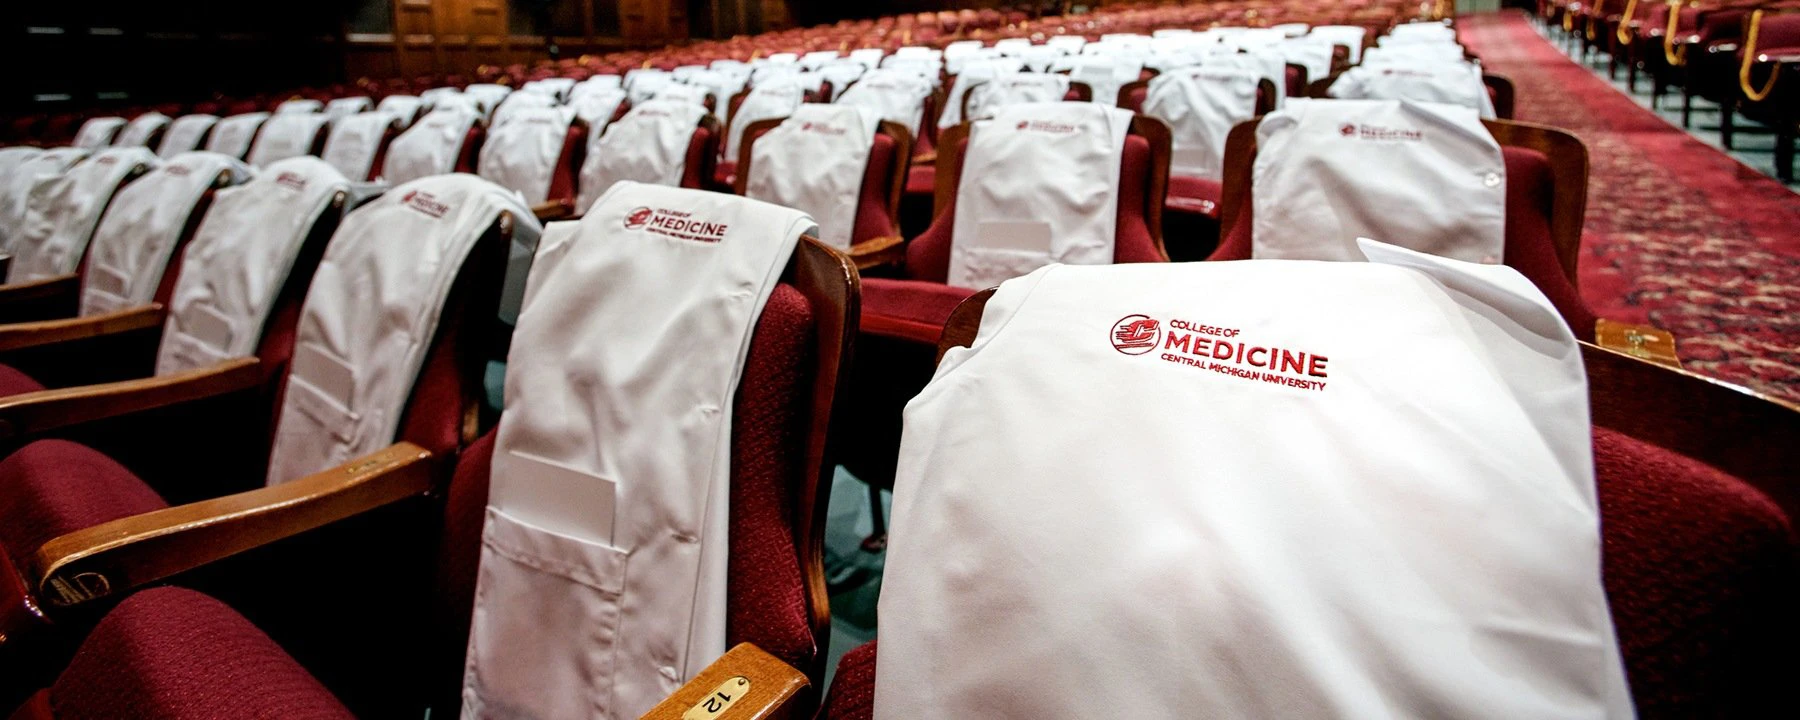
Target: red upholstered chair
(697, 172)
(1191, 211)
(903, 316)
(1701, 563)
(84, 525)
(1767, 67)
(58, 297)
(59, 349)
(776, 591)
(1710, 70)
(564, 176)
(876, 239)
(1546, 195)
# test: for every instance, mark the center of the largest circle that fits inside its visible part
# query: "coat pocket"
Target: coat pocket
(545, 625)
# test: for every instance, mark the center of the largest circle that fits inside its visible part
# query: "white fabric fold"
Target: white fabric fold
(1040, 185)
(896, 95)
(604, 554)
(1425, 177)
(185, 134)
(98, 132)
(137, 237)
(371, 313)
(356, 140)
(233, 135)
(649, 145)
(765, 102)
(1291, 512)
(430, 147)
(287, 135)
(522, 155)
(31, 167)
(142, 129)
(814, 162)
(987, 97)
(234, 269)
(1201, 104)
(63, 211)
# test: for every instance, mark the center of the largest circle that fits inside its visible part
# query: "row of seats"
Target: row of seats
(338, 343)
(1741, 56)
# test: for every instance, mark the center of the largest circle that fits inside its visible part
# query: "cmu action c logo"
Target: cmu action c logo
(1136, 334)
(638, 218)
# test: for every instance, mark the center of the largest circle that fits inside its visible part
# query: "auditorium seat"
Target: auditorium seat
(59, 220)
(903, 315)
(48, 518)
(135, 254)
(1767, 67)
(775, 592)
(697, 169)
(876, 239)
(357, 145)
(442, 142)
(511, 157)
(1697, 540)
(1710, 67)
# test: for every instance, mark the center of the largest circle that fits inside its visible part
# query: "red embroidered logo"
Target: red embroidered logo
(638, 218)
(1047, 126)
(1136, 334)
(178, 170)
(1378, 133)
(676, 224)
(425, 203)
(292, 181)
(1225, 351)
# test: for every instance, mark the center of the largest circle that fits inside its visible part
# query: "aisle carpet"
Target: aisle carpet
(1678, 235)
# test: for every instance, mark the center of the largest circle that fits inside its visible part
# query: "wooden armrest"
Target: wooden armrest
(45, 332)
(553, 210)
(36, 412)
(62, 292)
(890, 250)
(130, 552)
(1639, 341)
(926, 158)
(743, 684)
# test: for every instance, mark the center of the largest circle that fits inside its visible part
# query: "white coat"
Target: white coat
(136, 238)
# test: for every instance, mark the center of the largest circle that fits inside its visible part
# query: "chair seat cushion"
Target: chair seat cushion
(921, 180)
(852, 693)
(1194, 195)
(175, 654)
(13, 382)
(53, 487)
(909, 309)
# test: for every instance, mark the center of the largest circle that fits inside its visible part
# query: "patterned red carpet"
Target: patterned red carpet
(1678, 235)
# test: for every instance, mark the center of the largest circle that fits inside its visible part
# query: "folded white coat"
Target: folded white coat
(430, 147)
(142, 129)
(897, 95)
(62, 212)
(29, 168)
(648, 145)
(1200, 105)
(355, 142)
(185, 134)
(523, 154)
(98, 132)
(987, 97)
(1040, 185)
(136, 238)
(1425, 177)
(233, 135)
(1290, 512)
(239, 260)
(775, 99)
(604, 553)
(1454, 83)
(371, 313)
(287, 135)
(814, 162)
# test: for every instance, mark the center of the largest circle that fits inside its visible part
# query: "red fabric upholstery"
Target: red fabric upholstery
(725, 173)
(909, 309)
(53, 487)
(703, 148)
(174, 654)
(767, 591)
(1194, 195)
(921, 179)
(1700, 575)
(568, 164)
(13, 382)
(1530, 195)
(852, 693)
(1295, 81)
(1134, 98)
(928, 257)
(471, 149)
